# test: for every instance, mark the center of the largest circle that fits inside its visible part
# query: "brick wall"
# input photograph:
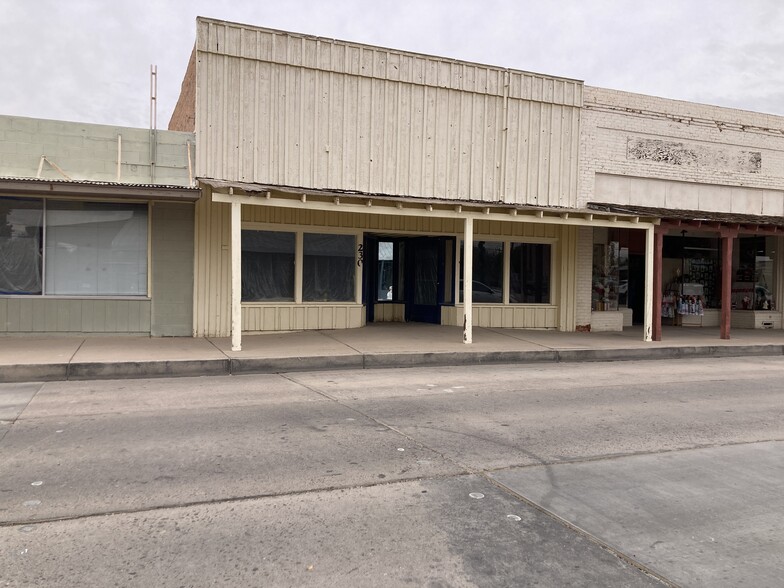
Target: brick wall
(584, 276)
(649, 151)
(184, 115)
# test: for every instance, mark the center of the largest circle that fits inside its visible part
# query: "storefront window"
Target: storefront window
(21, 239)
(754, 274)
(267, 266)
(328, 268)
(606, 271)
(488, 272)
(529, 274)
(96, 248)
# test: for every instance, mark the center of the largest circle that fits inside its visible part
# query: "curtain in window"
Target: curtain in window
(96, 248)
(268, 265)
(328, 268)
(529, 274)
(21, 228)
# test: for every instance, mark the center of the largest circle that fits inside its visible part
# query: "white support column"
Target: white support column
(299, 257)
(649, 253)
(468, 273)
(236, 277)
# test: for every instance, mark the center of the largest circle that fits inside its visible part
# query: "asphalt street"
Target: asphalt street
(600, 474)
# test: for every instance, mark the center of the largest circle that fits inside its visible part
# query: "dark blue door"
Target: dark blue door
(424, 278)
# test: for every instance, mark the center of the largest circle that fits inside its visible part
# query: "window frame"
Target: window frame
(299, 247)
(507, 241)
(43, 294)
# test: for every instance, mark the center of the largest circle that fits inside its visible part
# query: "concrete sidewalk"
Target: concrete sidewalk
(375, 346)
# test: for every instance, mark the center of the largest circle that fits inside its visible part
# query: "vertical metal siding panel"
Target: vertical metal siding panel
(428, 133)
(477, 124)
(441, 142)
(248, 123)
(121, 316)
(4, 315)
(557, 140)
(534, 143)
(545, 136)
(416, 158)
(308, 99)
(363, 132)
(135, 314)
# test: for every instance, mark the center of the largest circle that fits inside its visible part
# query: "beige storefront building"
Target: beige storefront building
(344, 184)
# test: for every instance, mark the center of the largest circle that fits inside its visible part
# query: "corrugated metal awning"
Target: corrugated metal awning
(709, 219)
(409, 202)
(93, 189)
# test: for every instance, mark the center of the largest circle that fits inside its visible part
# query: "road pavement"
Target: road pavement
(601, 474)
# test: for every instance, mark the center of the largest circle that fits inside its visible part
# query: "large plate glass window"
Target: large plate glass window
(268, 266)
(96, 248)
(529, 273)
(488, 272)
(21, 241)
(328, 268)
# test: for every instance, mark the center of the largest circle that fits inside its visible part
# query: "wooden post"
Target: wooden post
(236, 277)
(468, 280)
(650, 293)
(658, 249)
(727, 236)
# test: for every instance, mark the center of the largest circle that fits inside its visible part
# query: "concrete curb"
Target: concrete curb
(238, 366)
(277, 365)
(147, 369)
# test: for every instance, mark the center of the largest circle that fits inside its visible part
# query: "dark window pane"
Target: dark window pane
(267, 266)
(529, 274)
(21, 223)
(328, 268)
(96, 248)
(488, 272)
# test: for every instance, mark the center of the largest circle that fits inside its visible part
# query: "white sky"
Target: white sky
(89, 60)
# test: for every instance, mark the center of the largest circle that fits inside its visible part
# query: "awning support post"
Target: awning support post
(236, 277)
(658, 250)
(727, 236)
(649, 285)
(468, 273)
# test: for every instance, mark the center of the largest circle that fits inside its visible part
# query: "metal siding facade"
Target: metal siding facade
(212, 302)
(279, 108)
(71, 315)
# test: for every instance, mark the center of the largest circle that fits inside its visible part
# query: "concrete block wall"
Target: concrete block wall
(90, 152)
(650, 151)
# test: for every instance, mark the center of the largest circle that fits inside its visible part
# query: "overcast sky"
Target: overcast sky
(89, 60)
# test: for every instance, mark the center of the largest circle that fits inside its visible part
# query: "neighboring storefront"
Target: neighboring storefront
(715, 178)
(86, 246)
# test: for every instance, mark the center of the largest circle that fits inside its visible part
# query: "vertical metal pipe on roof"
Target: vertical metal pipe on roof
(153, 120)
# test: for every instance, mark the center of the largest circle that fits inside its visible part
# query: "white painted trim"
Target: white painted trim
(468, 273)
(299, 256)
(502, 214)
(648, 320)
(236, 277)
